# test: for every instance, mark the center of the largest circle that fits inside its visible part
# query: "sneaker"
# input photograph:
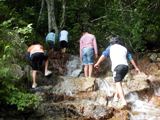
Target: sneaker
(115, 99)
(124, 103)
(34, 86)
(48, 73)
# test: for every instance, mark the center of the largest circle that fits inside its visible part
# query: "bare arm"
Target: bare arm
(135, 66)
(102, 57)
(96, 56)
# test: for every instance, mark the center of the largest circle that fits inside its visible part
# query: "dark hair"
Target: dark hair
(36, 42)
(53, 30)
(115, 39)
(86, 30)
(64, 28)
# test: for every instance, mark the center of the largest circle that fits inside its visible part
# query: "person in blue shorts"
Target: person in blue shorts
(88, 50)
(118, 55)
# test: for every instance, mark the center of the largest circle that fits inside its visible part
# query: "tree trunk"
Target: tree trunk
(51, 17)
(40, 13)
(63, 13)
(105, 4)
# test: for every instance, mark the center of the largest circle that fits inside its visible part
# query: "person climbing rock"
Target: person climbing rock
(118, 55)
(50, 39)
(88, 46)
(37, 55)
(63, 39)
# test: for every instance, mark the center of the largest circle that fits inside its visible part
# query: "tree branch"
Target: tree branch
(40, 13)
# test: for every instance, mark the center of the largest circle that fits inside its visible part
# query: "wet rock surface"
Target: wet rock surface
(80, 98)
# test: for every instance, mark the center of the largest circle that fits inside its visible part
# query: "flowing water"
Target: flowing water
(74, 66)
(146, 111)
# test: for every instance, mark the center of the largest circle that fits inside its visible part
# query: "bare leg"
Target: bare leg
(115, 99)
(46, 66)
(119, 91)
(52, 49)
(34, 72)
(116, 94)
(86, 70)
(90, 70)
(64, 50)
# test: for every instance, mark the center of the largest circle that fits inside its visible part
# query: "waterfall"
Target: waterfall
(145, 110)
(107, 87)
(74, 66)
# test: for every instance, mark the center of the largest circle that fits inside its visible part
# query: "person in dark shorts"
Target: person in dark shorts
(63, 39)
(118, 55)
(50, 39)
(37, 56)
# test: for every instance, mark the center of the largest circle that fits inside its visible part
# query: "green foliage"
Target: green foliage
(12, 95)
(136, 21)
(9, 49)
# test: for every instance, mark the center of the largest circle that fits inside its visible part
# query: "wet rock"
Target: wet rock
(104, 68)
(57, 61)
(66, 97)
(153, 99)
(91, 109)
(158, 91)
(100, 97)
(98, 112)
(153, 57)
(72, 85)
(121, 115)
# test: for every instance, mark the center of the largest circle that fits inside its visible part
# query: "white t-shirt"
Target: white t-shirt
(63, 36)
(118, 55)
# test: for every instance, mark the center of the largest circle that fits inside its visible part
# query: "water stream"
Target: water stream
(144, 110)
(74, 66)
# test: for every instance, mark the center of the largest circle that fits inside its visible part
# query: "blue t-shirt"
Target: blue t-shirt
(50, 36)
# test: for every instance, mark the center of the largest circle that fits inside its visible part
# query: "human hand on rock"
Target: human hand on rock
(137, 71)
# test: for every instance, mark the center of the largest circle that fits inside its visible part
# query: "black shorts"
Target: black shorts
(51, 44)
(63, 44)
(119, 73)
(38, 57)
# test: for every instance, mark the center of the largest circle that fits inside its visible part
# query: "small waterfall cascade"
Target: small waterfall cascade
(139, 109)
(74, 66)
(106, 86)
(66, 87)
(146, 111)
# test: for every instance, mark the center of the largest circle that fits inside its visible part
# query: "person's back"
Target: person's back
(63, 39)
(88, 40)
(35, 48)
(118, 55)
(50, 36)
(50, 39)
(63, 36)
(36, 55)
(88, 46)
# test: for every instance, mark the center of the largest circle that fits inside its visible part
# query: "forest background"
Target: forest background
(136, 21)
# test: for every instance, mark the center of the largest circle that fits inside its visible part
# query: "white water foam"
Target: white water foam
(74, 66)
(107, 87)
(146, 111)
